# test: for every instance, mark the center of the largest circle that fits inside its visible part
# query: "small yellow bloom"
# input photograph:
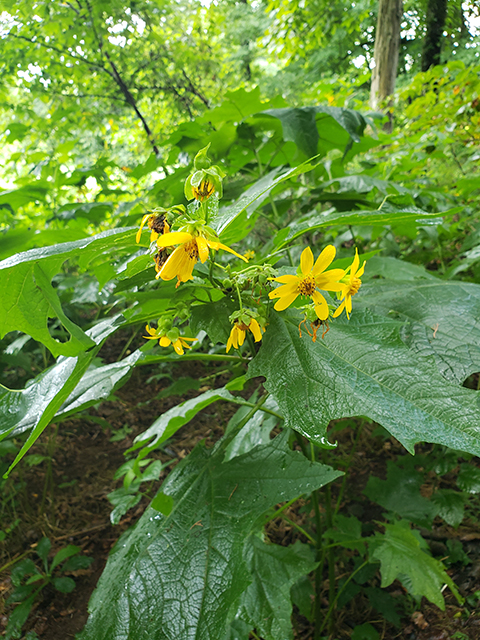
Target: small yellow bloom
(350, 287)
(204, 190)
(156, 223)
(191, 249)
(249, 254)
(313, 277)
(178, 343)
(239, 329)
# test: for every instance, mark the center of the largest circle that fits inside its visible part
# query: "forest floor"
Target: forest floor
(68, 503)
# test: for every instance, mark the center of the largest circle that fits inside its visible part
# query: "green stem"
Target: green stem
(245, 403)
(227, 438)
(205, 357)
(344, 480)
(320, 555)
(332, 605)
(301, 529)
(129, 342)
(239, 296)
(279, 511)
(331, 550)
(9, 564)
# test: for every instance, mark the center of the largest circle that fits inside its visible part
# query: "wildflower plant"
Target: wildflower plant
(318, 331)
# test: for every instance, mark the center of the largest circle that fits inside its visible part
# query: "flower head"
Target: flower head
(191, 249)
(204, 190)
(311, 278)
(171, 337)
(239, 330)
(157, 224)
(351, 283)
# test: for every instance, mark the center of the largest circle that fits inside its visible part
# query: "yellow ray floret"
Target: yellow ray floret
(313, 278)
(239, 329)
(178, 344)
(351, 285)
(191, 249)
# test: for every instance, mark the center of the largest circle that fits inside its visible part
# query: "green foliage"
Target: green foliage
(202, 541)
(29, 580)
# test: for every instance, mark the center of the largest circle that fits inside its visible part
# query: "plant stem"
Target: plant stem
(227, 438)
(332, 605)
(209, 357)
(279, 511)
(245, 403)
(301, 529)
(344, 480)
(320, 555)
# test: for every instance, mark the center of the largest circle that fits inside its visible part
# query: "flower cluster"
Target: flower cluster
(180, 238)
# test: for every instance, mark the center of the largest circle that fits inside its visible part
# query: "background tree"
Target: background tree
(387, 42)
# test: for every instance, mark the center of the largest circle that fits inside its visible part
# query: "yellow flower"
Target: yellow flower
(156, 223)
(249, 254)
(176, 340)
(204, 190)
(239, 329)
(313, 277)
(191, 249)
(350, 287)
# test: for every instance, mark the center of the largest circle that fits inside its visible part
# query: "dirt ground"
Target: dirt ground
(69, 505)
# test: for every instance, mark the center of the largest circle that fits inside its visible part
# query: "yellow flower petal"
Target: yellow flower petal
(359, 273)
(324, 259)
(165, 342)
(306, 261)
(241, 336)
(255, 329)
(321, 306)
(284, 290)
(176, 237)
(202, 246)
(218, 245)
(177, 345)
(339, 310)
(285, 301)
(285, 279)
(142, 224)
(355, 263)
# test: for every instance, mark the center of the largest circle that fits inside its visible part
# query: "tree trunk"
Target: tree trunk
(387, 43)
(432, 43)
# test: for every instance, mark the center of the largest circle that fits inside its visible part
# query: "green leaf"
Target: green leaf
(336, 126)
(43, 548)
(450, 505)
(266, 604)
(228, 215)
(400, 493)
(330, 218)
(36, 405)
(256, 431)
(63, 554)
(173, 419)
(44, 396)
(146, 588)
(442, 320)
(178, 576)
(99, 382)
(64, 584)
(29, 299)
(362, 367)
(401, 557)
(469, 478)
(213, 319)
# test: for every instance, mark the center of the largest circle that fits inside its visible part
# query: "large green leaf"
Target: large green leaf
(28, 299)
(227, 215)
(57, 388)
(178, 576)
(315, 220)
(362, 367)
(401, 556)
(336, 126)
(266, 604)
(442, 320)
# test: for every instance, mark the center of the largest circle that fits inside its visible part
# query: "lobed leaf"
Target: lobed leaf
(178, 576)
(362, 367)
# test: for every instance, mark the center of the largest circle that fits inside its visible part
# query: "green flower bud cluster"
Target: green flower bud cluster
(205, 179)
